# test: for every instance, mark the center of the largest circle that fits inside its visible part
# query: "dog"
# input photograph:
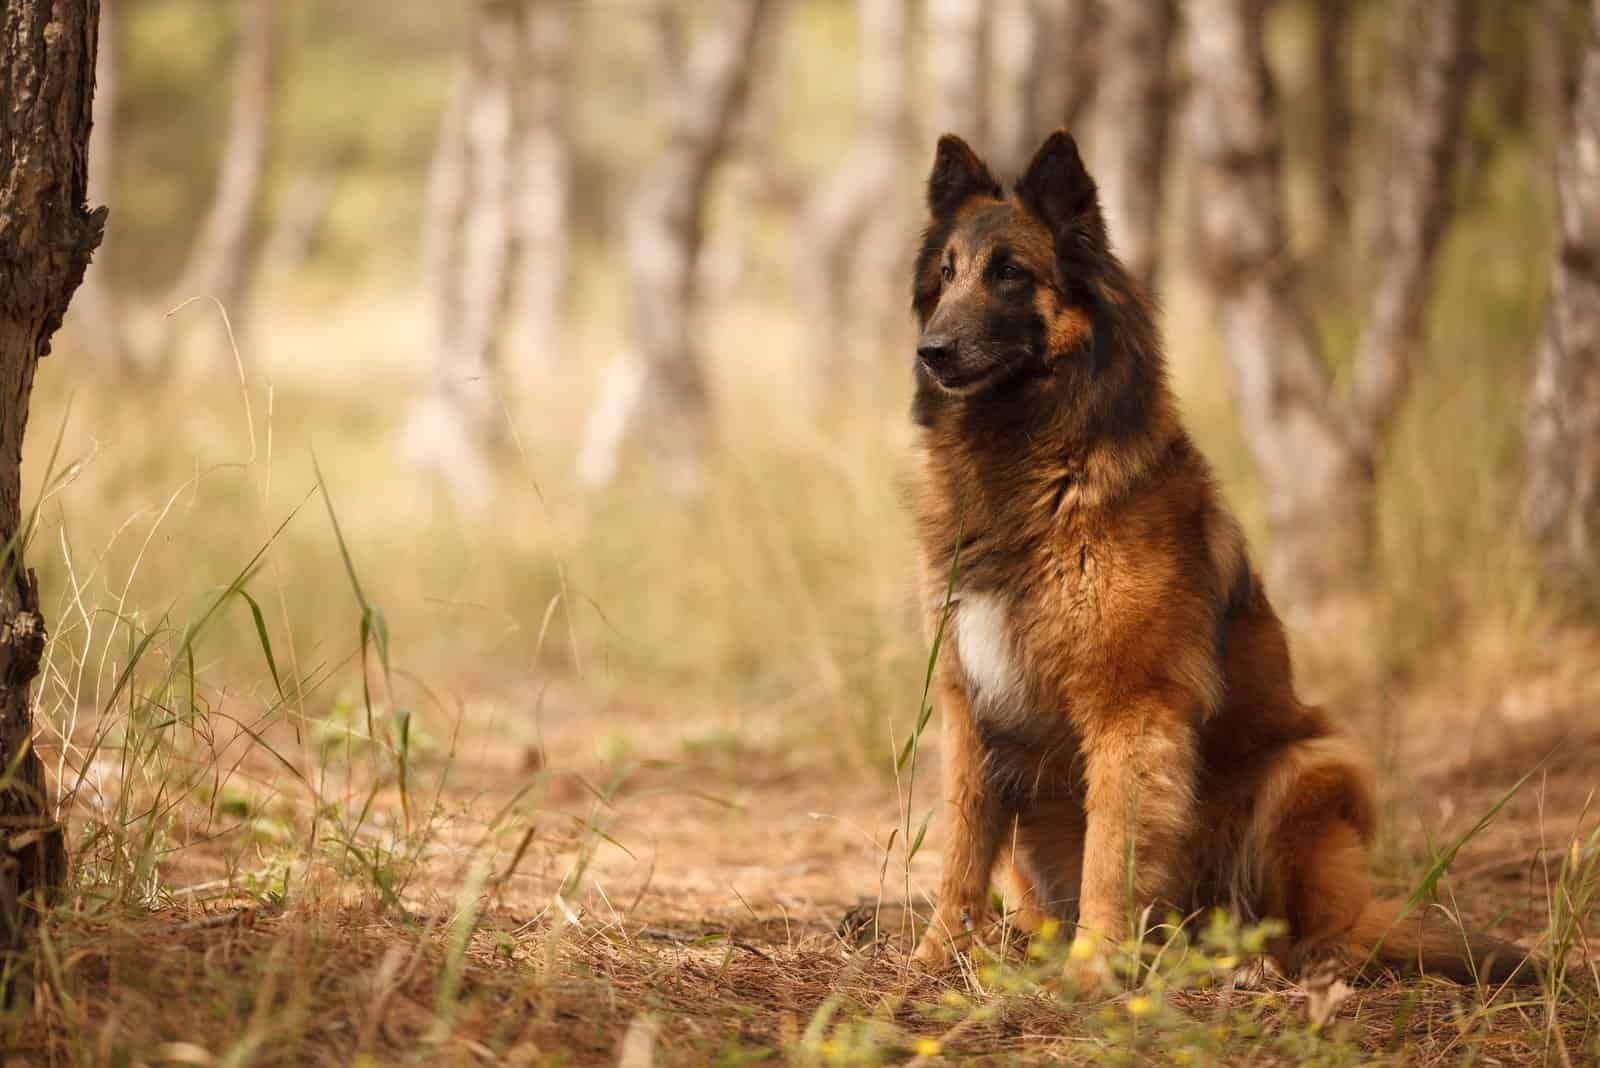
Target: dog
(1119, 719)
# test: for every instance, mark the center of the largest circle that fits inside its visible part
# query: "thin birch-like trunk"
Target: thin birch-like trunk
(1561, 503)
(468, 259)
(544, 154)
(1133, 102)
(1317, 450)
(1065, 62)
(658, 393)
(855, 210)
(959, 64)
(222, 258)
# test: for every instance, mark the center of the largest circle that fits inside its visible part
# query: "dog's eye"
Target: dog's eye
(1010, 272)
(947, 272)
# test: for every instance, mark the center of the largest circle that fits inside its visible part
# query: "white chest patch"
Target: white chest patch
(988, 655)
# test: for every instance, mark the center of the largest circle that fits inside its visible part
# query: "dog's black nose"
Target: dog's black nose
(936, 349)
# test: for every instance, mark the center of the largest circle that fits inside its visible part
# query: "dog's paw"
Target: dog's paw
(1258, 973)
(1088, 967)
(951, 931)
(934, 951)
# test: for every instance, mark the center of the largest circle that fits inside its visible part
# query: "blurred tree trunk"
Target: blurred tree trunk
(1423, 110)
(855, 209)
(98, 317)
(658, 393)
(1552, 65)
(1044, 55)
(1562, 499)
(299, 225)
(1014, 51)
(544, 154)
(468, 255)
(1133, 101)
(755, 173)
(1331, 167)
(47, 234)
(959, 62)
(222, 257)
(1317, 451)
(1062, 67)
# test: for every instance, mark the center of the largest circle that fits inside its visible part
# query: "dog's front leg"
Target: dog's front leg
(976, 831)
(1140, 770)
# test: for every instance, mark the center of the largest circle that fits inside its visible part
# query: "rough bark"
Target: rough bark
(468, 256)
(1562, 499)
(1316, 450)
(97, 314)
(47, 235)
(222, 258)
(1133, 99)
(658, 393)
(855, 209)
(1423, 110)
(958, 61)
(544, 154)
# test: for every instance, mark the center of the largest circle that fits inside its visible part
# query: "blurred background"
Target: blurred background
(470, 493)
(594, 318)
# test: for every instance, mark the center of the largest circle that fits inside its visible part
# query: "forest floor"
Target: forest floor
(572, 879)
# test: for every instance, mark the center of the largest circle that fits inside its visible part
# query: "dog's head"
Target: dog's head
(1006, 290)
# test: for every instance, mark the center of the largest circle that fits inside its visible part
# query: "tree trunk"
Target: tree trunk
(659, 392)
(467, 258)
(958, 59)
(1014, 51)
(47, 234)
(1316, 451)
(853, 211)
(1133, 99)
(1061, 76)
(222, 257)
(544, 153)
(299, 226)
(97, 315)
(1562, 499)
(1331, 169)
(1553, 65)
(1424, 106)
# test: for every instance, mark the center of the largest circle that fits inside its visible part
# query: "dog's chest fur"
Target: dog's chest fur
(1027, 744)
(990, 657)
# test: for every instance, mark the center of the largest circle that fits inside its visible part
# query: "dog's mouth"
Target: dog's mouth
(963, 381)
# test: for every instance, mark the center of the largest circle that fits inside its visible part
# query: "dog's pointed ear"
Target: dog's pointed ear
(957, 176)
(1057, 188)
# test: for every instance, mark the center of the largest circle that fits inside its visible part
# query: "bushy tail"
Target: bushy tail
(1433, 943)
